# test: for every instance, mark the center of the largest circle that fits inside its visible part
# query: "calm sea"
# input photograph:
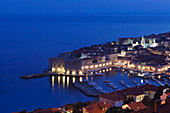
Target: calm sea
(27, 41)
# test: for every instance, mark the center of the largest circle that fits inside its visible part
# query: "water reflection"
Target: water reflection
(74, 79)
(81, 79)
(58, 79)
(63, 81)
(68, 81)
(52, 81)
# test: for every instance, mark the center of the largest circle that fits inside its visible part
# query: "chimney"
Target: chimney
(168, 99)
(157, 104)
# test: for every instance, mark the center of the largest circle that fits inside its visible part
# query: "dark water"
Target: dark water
(27, 41)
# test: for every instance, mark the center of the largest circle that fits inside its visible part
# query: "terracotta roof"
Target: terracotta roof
(98, 107)
(121, 94)
(145, 110)
(48, 110)
(136, 106)
(164, 108)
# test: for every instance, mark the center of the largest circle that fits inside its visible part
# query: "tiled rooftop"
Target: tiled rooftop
(121, 94)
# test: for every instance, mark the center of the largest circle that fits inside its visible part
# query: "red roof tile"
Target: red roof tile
(136, 106)
(99, 107)
(121, 94)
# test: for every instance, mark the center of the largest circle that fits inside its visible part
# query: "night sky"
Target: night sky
(84, 6)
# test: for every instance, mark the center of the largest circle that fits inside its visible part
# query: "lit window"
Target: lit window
(53, 69)
(58, 69)
(68, 72)
(96, 66)
(87, 67)
(80, 72)
(73, 72)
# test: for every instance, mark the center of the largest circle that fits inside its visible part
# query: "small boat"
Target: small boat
(134, 81)
(86, 81)
(106, 81)
(146, 81)
(99, 74)
(141, 75)
(118, 69)
(90, 75)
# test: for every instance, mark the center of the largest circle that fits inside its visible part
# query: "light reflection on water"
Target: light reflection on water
(81, 79)
(74, 79)
(58, 81)
(52, 81)
(67, 81)
(63, 81)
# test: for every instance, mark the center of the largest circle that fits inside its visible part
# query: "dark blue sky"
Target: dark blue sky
(84, 6)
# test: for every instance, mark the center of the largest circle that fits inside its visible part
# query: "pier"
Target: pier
(112, 85)
(88, 91)
(157, 81)
(123, 83)
(39, 75)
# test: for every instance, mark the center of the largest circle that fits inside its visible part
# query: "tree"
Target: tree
(69, 106)
(118, 110)
(57, 112)
(128, 99)
(147, 101)
(24, 111)
(158, 93)
(78, 107)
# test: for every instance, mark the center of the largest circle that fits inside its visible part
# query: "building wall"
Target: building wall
(166, 43)
(150, 94)
(73, 66)
(98, 66)
(65, 66)
(111, 57)
(98, 59)
(139, 98)
(151, 42)
(113, 103)
(87, 61)
(141, 67)
(119, 103)
(107, 101)
(56, 65)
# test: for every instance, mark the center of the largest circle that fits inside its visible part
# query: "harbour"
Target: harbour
(28, 57)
